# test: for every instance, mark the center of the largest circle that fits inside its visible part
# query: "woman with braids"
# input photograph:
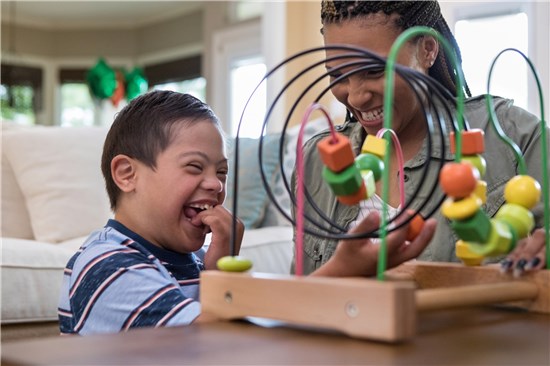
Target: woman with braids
(375, 25)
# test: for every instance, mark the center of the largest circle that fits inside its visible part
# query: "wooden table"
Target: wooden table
(473, 336)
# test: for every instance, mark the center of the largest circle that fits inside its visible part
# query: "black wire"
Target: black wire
(426, 89)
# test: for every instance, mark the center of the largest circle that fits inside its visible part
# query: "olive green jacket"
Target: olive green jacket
(519, 125)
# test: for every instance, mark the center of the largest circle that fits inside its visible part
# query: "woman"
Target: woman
(375, 25)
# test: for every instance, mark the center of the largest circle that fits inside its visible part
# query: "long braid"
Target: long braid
(412, 13)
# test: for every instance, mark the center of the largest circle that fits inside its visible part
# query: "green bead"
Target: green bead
(501, 240)
(478, 162)
(344, 183)
(234, 264)
(476, 228)
(370, 162)
(518, 217)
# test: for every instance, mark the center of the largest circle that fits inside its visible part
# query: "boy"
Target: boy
(165, 170)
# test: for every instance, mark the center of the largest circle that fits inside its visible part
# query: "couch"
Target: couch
(53, 197)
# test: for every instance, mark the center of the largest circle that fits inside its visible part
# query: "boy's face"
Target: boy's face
(190, 177)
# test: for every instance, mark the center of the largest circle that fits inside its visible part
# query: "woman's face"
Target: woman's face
(363, 92)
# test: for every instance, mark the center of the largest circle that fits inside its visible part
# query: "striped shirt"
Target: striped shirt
(117, 280)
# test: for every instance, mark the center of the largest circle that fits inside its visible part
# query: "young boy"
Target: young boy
(165, 170)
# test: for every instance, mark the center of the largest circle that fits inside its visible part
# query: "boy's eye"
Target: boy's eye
(375, 73)
(195, 167)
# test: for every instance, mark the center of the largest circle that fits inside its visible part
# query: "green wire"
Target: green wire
(388, 111)
(522, 168)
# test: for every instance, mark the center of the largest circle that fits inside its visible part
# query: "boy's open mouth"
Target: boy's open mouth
(194, 209)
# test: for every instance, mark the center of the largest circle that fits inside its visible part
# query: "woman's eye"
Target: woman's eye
(375, 73)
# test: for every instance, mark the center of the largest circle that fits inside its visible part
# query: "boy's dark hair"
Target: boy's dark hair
(143, 129)
(411, 13)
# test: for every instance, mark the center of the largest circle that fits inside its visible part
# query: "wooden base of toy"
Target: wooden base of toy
(367, 308)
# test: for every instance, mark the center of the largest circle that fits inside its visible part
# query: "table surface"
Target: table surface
(473, 336)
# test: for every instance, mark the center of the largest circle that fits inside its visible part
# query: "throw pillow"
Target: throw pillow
(252, 199)
(58, 171)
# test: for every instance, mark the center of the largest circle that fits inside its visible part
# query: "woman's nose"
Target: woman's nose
(359, 92)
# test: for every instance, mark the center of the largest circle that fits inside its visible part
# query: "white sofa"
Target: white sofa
(53, 197)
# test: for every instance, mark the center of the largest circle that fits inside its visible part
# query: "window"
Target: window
(77, 107)
(481, 39)
(196, 87)
(182, 75)
(246, 74)
(20, 93)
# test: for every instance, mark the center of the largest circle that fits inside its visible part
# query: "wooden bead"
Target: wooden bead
(518, 217)
(234, 264)
(458, 180)
(375, 145)
(522, 190)
(370, 162)
(344, 183)
(354, 199)
(469, 258)
(460, 209)
(481, 191)
(478, 162)
(472, 142)
(338, 155)
(501, 240)
(415, 227)
(368, 181)
(476, 228)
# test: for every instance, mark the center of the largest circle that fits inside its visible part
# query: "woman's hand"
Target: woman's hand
(528, 255)
(359, 257)
(220, 221)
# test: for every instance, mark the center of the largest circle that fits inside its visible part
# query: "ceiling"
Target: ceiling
(94, 14)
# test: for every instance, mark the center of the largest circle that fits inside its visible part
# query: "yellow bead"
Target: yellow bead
(374, 145)
(501, 240)
(234, 264)
(469, 258)
(520, 218)
(522, 190)
(370, 184)
(460, 209)
(481, 191)
(478, 162)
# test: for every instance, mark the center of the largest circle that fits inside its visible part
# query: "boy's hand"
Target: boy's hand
(528, 255)
(220, 221)
(359, 257)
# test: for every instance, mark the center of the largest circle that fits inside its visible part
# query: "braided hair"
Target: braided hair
(411, 13)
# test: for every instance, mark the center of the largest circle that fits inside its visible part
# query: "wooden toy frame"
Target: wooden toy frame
(367, 308)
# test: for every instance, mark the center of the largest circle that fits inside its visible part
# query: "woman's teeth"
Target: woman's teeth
(372, 115)
(202, 207)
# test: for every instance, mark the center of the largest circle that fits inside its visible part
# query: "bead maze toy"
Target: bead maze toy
(385, 308)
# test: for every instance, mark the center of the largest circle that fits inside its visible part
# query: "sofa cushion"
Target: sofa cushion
(58, 171)
(31, 279)
(252, 199)
(16, 222)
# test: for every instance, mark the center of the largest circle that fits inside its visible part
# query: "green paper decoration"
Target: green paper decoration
(136, 83)
(101, 80)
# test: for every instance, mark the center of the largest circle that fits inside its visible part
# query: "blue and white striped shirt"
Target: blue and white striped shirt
(118, 280)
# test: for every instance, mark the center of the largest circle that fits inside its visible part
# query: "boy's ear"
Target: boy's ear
(123, 170)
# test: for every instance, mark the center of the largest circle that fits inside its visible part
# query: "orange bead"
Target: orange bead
(522, 190)
(458, 180)
(337, 155)
(353, 199)
(472, 142)
(415, 227)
